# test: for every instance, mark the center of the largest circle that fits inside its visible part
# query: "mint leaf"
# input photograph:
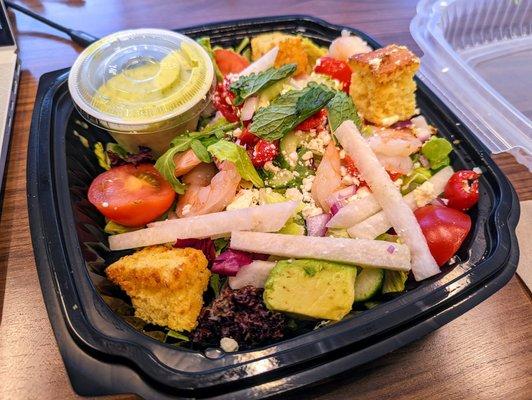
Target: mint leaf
(249, 85)
(341, 108)
(289, 110)
(313, 100)
(224, 150)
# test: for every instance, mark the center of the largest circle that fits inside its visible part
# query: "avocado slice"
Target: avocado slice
(311, 289)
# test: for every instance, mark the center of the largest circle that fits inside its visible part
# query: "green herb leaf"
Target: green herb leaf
(242, 45)
(313, 100)
(224, 150)
(220, 245)
(289, 110)
(117, 149)
(166, 166)
(249, 85)
(341, 108)
(200, 151)
(437, 151)
(205, 42)
(215, 284)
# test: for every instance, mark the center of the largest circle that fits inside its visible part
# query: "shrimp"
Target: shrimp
(185, 161)
(345, 46)
(399, 164)
(394, 142)
(328, 178)
(200, 175)
(214, 197)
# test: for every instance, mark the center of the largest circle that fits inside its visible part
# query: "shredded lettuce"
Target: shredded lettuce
(176, 335)
(437, 151)
(415, 178)
(101, 155)
(113, 228)
(224, 150)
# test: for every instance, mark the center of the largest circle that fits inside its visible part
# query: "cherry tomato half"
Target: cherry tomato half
(315, 121)
(444, 228)
(229, 62)
(462, 190)
(222, 100)
(263, 152)
(336, 69)
(131, 195)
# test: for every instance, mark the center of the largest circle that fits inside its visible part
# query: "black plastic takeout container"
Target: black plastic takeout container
(70, 248)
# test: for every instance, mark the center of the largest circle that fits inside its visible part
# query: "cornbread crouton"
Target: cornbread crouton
(261, 44)
(165, 284)
(382, 84)
(292, 49)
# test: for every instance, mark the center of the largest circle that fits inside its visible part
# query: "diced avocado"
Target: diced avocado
(268, 196)
(311, 289)
(368, 284)
(394, 281)
(281, 179)
(288, 145)
(292, 228)
(270, 93)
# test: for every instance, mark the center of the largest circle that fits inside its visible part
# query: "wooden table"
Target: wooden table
(485, 354)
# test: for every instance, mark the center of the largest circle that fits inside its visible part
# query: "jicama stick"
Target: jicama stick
(361, 209)
(355, 211)
(254, 274)
(378, 224)
(368, 253)
(262, 64)
(266, 218)
(395, 208)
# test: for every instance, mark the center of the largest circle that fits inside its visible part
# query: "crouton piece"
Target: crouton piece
(165, 284)
(382, 84)
(292, 49)
(261, 44)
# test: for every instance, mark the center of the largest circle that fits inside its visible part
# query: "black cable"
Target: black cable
(82, 38)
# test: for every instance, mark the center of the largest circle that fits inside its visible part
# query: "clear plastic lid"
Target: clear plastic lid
(478, 58)
(141, 77)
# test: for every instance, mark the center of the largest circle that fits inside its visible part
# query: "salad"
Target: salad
(311, 190)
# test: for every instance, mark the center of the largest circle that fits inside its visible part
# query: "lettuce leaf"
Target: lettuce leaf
(437, 151)
(224, 150)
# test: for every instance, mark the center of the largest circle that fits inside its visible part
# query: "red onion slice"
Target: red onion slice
(229, 262)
